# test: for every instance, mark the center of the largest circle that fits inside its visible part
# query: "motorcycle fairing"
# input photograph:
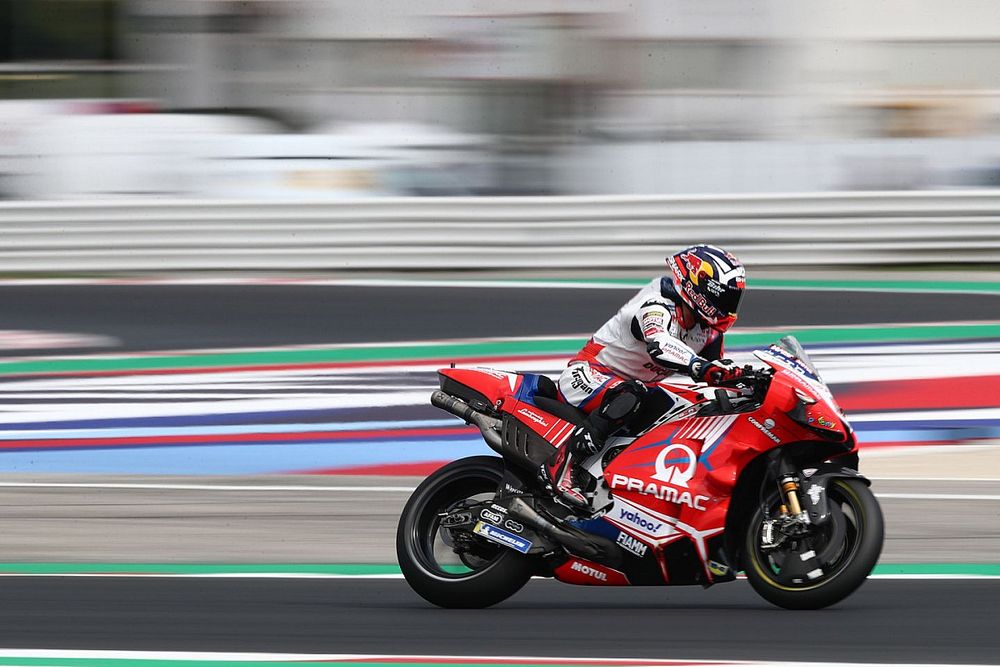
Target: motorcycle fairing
(640, 560)
(486, 385)
(666, 492)
(552, 429)
(583, 572)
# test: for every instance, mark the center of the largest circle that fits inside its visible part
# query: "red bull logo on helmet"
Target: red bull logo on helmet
(701, 303)
(697, 267)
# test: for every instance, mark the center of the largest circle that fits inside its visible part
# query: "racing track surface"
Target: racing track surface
(886, 621)
(914, 621)
(159, 317)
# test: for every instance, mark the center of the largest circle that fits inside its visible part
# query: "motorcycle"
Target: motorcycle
(758, 475)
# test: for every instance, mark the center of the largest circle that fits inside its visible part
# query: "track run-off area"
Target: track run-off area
(154, 436)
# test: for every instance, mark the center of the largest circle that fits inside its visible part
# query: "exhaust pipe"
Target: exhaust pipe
(489, 426)
(577, 542)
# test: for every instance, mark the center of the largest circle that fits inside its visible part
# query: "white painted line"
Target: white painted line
(993, 577)
(934, 479)
(962, 414)
(205, 575)
(937, 496)
(208, 487)
(370, 489)
(321, 575)
(400, 659)
(264, 658)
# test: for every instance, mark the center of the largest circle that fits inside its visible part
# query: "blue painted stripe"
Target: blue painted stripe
(55, 434)
(240, 459)
(216, 419)
(927, 435)
(387, 438)
(890, 424)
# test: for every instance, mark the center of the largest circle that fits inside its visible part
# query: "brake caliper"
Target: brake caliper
(776, 532)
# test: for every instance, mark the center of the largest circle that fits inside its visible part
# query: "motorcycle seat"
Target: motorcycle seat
(562, 410)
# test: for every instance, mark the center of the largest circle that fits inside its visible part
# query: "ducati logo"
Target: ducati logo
(677, 469)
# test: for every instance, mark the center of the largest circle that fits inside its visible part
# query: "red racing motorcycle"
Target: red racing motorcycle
(758, 476)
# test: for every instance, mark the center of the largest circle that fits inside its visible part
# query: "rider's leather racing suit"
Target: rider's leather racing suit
(650, 338)
(647, 340)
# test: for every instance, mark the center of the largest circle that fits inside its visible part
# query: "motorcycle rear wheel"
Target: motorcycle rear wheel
(423, 546)
(847, 561)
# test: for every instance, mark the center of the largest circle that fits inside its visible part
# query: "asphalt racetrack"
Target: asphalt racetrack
(889, 620)
(885, 621)
(160, 317)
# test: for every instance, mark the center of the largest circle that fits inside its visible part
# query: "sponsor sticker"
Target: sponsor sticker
(586, 378)
(589, 571)
(491, 516)
(637, 519)
(513, 525)
(533, 416)
(662, 491)
(632, 544)
(824, 422)
(815, 492)
(653, 318)
(501, 536)
(718, 569)
(765, 428)
(679, 473)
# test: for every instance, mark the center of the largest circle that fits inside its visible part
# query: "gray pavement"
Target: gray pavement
(885, 621)
(326, 519)
(160, 317)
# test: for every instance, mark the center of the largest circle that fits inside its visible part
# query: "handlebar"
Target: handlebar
(753, 382)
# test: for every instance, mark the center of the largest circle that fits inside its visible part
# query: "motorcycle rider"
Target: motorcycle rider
(674, 324)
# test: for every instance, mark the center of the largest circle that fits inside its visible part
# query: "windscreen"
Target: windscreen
(792, 346)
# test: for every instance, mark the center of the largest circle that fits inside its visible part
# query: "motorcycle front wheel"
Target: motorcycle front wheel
(467, 579)
(847, 547)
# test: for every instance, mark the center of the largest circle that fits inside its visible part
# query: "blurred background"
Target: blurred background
(296, 99)
(238, 237)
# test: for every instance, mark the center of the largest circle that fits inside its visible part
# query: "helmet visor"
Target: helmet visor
(729, 300)
(726, 298)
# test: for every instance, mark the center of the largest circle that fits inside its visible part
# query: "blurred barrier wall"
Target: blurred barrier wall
(585, 233)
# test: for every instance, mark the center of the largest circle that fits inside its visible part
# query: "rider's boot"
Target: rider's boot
(561, 475)
(618, 406)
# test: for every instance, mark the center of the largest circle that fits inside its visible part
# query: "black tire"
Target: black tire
(495, 576)
(848, 552)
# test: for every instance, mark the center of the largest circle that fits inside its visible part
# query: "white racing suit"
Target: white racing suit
(646, 341)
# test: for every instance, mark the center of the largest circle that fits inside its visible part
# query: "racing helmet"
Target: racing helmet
(711, 282)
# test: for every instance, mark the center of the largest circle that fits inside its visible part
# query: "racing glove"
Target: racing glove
(714, 372)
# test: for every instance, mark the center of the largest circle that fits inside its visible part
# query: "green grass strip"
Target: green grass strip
(362, 569)
(343, 569)
(447, 351)
(967, 286)
(302, 356)
(958, 569)
(894, 285)
(154, 662)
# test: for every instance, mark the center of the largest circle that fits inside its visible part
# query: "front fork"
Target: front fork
(792, 521)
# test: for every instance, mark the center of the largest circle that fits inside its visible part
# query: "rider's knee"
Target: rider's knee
(622, 401)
